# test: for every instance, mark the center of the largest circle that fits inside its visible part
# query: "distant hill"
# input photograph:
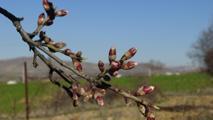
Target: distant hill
(11, 69)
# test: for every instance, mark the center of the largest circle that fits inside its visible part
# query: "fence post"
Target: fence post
(26, 91)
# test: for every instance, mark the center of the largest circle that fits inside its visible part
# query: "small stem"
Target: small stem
(38, 29)
(59, 71)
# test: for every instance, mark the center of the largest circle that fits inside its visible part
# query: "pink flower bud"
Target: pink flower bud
(150, 116)
(46, 4)
(68, 52)
(129, 54)
(81, 91)
(75, 96)
(48, 7)
(48, 40)
(101, 66)
(116, 74)
(112, 54)
(75, 87)
(50, 10)
(41, 18)
(60, 45)
(98, 96)
(143, 90)
(61, 13)
(129, 65)
(100, 100)
(87, 96)
(77, 65)
(115, 65)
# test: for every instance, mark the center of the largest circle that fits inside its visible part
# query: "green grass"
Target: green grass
(189, 82)
(13, 95)
(183, 83)
(40, 92)
(129, 82)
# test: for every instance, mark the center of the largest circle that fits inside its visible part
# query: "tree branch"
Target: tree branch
(26, 37)
(10, 16)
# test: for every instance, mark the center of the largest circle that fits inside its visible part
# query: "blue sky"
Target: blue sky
(162, 30)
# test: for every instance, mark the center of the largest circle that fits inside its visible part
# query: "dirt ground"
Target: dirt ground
(172, 108)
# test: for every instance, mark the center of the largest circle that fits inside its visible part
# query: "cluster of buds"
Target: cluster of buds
(145, 110)
(51, 13)
(99, 96)
(96, 94)
(76, 58)
(87, 93)
(150, 116)
(143, 90)
(116, 65)
(50, 44)
(78, 91)
(58, 46)
(75, 93)
(92, 92)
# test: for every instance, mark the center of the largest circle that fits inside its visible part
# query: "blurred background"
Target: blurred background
(175, 53)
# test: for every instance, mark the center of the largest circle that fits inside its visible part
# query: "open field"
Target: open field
(12, 96)
(178, 96)
(189, 82)
(190, 108)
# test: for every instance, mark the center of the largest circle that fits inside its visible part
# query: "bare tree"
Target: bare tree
(202, 50)
(96, 88)
(156, 65)
(208, 59)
